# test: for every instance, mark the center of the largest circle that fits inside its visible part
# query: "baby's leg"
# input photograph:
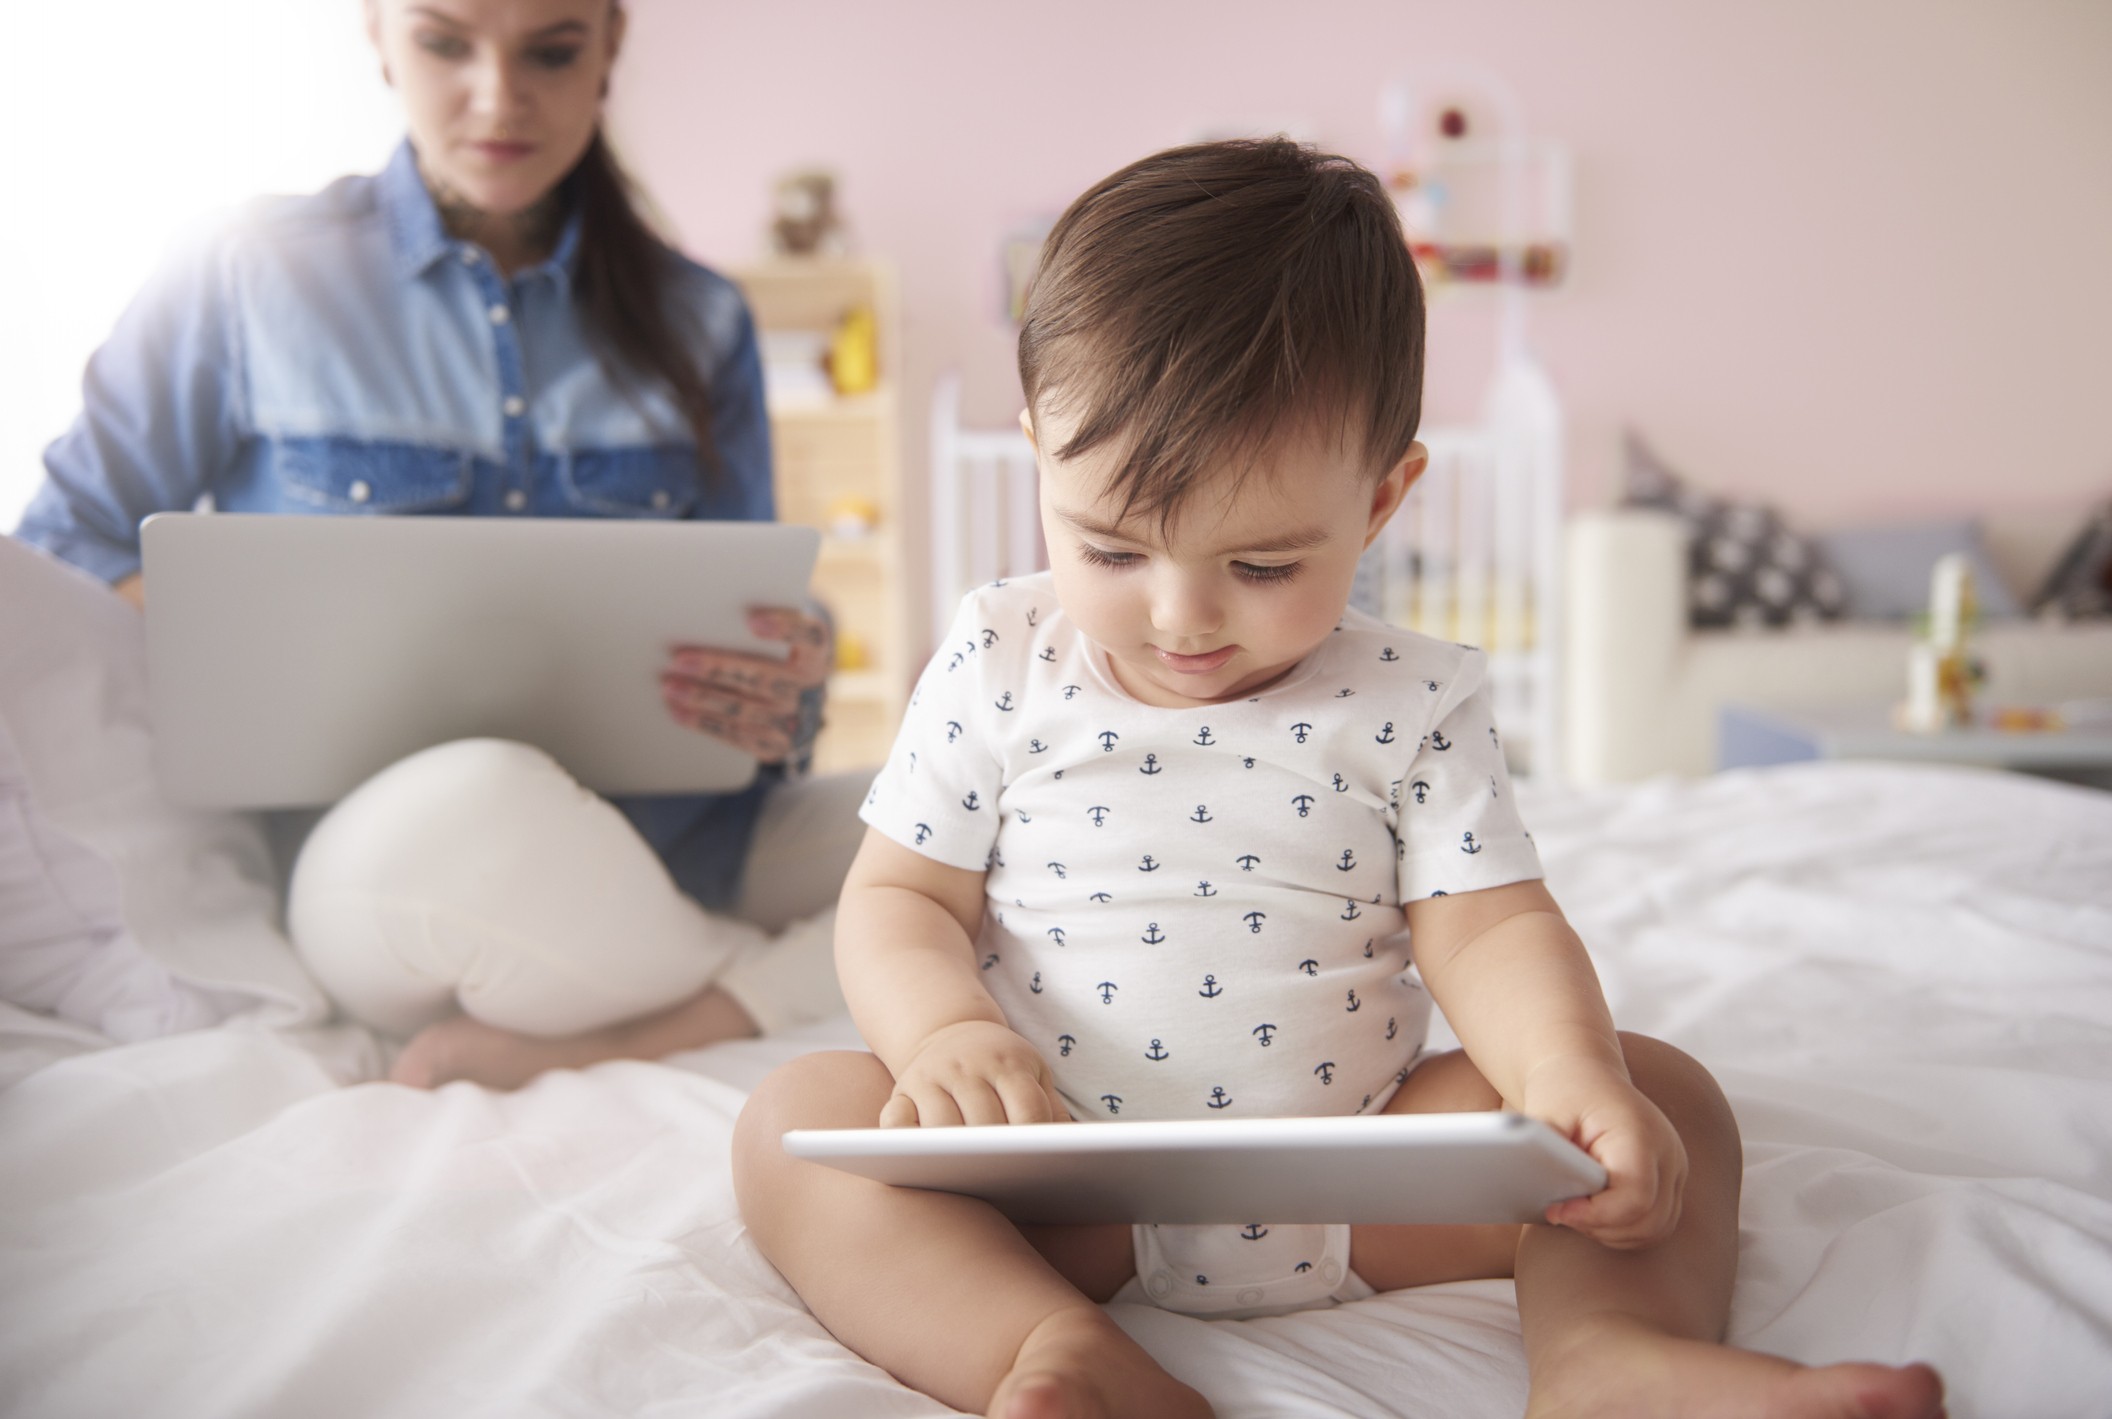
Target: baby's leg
(941, 1291)
(1634, 1333)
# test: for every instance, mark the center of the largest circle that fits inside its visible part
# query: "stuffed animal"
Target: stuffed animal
(804, 220)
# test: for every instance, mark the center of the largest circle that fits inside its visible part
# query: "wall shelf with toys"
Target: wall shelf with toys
(1454, 205)
(1483, 204)
(828, 329)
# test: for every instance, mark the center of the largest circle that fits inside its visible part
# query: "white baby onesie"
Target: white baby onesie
(1196, 913)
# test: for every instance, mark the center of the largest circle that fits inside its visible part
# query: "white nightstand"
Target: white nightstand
(1751, 737)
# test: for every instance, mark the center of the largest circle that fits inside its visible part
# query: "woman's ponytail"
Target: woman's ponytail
(622, 278)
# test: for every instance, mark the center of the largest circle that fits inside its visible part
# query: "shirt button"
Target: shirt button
(515, 500)
(660, 500)
(515, 406)
(359, 492)
(470, 255)
(499, 315)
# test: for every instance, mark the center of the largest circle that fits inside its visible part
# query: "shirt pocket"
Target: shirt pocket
(630, 482)
(343, 475)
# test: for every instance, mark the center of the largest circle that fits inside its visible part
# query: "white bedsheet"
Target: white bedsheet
(1903, 978)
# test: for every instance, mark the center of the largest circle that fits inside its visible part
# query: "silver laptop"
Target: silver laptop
(290, 658)
(1390, 1168)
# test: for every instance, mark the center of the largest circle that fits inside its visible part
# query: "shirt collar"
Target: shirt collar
(415, 232)
(558, 265)
(419, 239)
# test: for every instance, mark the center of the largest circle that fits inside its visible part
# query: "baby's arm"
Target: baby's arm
(1515, 983)
(905, 954)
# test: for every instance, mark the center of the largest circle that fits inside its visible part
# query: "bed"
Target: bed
(1902, 976)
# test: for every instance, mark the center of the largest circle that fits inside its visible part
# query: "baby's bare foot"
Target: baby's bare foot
(1078, 1364)
(1627, 1371)
(462, 1048)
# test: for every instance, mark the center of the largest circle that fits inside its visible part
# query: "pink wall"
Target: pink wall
(1854, 258)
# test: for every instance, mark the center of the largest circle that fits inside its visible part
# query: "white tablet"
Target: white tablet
(1393, 1168)
(290, 658)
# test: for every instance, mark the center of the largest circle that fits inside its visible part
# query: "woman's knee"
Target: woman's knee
(480, 874)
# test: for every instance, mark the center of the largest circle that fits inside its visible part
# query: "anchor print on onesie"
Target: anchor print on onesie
(1197, 900)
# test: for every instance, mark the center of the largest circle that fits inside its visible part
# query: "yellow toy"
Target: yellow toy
(854, 353)
(851, 652)
(851, 518)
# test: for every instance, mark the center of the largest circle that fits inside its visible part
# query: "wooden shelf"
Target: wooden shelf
(877, 403)
(862, 686)
(870, 553)
(837, 449)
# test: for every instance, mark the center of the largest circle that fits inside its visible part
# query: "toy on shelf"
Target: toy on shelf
(2027, 719)
(803, 217)
(852, 653)
(1480, 201)
(811, 369)
(852, 519)
(854, 352)
(1941, 672)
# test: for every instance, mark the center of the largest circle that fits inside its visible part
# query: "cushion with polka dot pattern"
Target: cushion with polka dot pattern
(1745, 566)
(2080, 584)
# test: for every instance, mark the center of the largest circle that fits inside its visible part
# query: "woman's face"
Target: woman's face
(502, 96)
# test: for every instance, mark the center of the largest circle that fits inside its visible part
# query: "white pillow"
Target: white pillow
(197, 888)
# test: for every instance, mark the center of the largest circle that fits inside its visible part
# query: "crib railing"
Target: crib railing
(985, 517)
(1471, 557)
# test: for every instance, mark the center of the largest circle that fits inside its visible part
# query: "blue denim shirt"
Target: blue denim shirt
(342, 354)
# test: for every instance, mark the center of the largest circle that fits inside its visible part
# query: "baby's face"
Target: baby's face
(1241, 586)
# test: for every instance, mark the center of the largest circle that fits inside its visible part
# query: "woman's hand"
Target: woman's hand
(748, 701)
(1595, 1106)
(973, 1072)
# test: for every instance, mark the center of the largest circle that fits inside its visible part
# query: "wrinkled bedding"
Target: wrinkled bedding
(1902, 977)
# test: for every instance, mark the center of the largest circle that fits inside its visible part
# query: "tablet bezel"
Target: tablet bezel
(1384, 1168)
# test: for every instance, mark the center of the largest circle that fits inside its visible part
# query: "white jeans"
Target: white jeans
(479, 875)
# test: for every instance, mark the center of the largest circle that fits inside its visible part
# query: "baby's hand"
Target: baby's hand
(973, 1072)
(1600, 1111)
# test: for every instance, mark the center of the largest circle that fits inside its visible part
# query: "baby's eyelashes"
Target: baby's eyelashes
(1100, 557)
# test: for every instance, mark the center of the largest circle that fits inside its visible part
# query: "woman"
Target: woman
(487, 327)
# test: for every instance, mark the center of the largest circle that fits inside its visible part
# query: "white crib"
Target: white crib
(985, 519)
(1473, 555)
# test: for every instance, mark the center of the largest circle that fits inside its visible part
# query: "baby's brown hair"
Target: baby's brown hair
(1203, 302)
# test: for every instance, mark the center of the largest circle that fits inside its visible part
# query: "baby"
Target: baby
(1151, 835)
